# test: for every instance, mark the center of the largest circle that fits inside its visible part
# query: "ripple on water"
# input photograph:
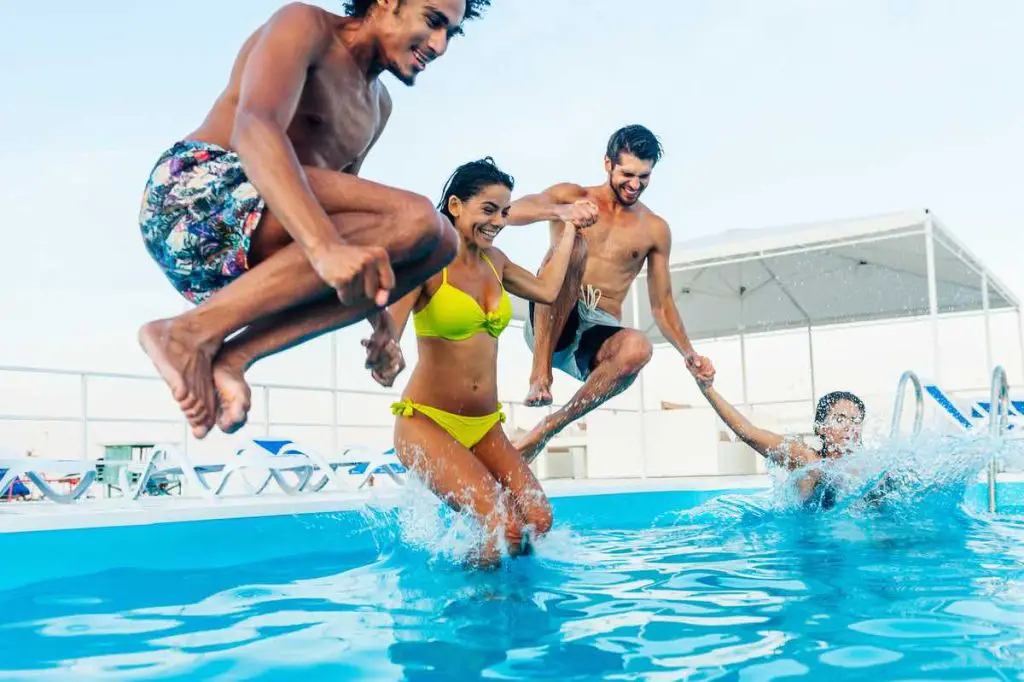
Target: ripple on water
(921, 628)
(859, 657)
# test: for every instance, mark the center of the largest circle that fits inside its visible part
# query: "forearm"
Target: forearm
(733, 418)
(533, 208)
(270, 162)
(552, 276)
(671, 327)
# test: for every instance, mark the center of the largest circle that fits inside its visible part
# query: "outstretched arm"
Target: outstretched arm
(789, 453)
(663, 306)
(563, 203)
(545, 287)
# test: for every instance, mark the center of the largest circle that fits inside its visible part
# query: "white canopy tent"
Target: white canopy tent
(883, 267)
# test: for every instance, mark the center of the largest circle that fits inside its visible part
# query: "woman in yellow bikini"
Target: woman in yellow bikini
(448, 428)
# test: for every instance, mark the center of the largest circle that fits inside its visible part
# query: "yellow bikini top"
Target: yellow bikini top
(454, 315)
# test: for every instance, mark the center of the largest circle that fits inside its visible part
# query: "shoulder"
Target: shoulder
(657, 228)
(566, 192)
(299, 14)
(498, 258)
(299, 22)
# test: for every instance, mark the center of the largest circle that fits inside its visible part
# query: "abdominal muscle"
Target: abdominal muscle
(456, 376)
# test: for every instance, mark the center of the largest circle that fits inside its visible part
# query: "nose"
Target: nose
(438, 43)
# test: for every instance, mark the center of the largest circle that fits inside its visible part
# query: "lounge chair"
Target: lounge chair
(33, 469)
(978, 414)
(167, 460)
(354, 469)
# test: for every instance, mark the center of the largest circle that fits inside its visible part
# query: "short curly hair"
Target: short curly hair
(359, 8)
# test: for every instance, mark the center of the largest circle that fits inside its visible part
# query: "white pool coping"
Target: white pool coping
(20, 517)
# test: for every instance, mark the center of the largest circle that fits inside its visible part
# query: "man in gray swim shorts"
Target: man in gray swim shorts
(582, 333)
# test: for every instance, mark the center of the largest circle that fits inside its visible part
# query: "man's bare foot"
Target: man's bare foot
(185, 364)
(540, 393)
(234, 395)
(530, 445)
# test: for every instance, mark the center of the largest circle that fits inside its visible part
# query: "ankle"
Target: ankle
(233, 359)
(190, 325)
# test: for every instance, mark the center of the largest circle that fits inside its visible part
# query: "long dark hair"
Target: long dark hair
(470, 179)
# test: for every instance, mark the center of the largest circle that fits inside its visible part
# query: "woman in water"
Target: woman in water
(838, 421)
(448, 428)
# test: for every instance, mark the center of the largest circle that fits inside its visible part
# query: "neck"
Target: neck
(607, 195)
(469, 252)
(359, 38)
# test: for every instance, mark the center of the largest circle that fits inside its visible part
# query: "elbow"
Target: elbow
(249, 126)
(548, 296)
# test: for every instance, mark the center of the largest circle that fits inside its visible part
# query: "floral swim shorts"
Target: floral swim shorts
(198, 214)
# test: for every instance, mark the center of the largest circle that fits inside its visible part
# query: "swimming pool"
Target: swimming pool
(698, 585)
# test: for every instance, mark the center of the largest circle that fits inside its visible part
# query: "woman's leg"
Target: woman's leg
(506, 465)
(456, 476)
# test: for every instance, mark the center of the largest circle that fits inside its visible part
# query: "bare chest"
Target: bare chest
(618, 248)
(337, 116)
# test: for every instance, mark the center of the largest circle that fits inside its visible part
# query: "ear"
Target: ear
(454, 206)
(608, 165)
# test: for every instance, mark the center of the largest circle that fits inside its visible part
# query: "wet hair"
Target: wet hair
(360, 8)
(636, 140)
(828, 401)
(470, 179)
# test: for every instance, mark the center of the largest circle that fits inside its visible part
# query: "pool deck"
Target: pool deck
(19, 517)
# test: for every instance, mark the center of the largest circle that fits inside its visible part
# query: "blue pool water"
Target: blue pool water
(729, 585)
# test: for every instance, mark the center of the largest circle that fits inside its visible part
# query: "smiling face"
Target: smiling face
(413, 33)
(628, 178)
(480, 218)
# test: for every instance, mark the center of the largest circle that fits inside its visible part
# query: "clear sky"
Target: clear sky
(771, 113)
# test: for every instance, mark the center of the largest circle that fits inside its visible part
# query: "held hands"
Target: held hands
(582, 213)
(355, 271)
(701, 369)
(384, 356)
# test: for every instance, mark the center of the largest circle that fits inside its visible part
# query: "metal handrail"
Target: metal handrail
(897, 411)
(998, 421)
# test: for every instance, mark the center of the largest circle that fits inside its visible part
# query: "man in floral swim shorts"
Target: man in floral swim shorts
(258, 216)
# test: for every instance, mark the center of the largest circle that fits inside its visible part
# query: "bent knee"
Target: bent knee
(635, 352)
(422, 229)
(540, 517)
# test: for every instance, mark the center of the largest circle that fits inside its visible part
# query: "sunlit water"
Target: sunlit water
(745, 587)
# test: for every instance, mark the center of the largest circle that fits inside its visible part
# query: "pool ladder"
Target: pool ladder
(998, 424)
(897, 410)
(998, 417)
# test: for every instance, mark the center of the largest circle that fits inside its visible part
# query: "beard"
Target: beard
(622, 199)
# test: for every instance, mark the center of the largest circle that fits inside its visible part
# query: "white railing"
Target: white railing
(87, 419)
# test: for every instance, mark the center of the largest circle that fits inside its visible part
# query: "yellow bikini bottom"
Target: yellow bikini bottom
(468, 431)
